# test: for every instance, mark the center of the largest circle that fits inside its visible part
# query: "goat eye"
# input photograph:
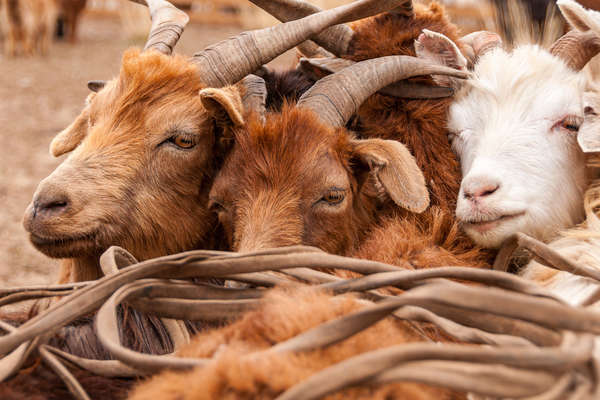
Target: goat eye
(570, 123)
(181, 141)
(335, 196)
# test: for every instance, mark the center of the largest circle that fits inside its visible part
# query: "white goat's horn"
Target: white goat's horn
(577, 48)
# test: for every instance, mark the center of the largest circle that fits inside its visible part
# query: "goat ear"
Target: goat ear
(395, 171)
(439, 49)
(223, 105)
(588, 136)
(68, 139)
(578, 17)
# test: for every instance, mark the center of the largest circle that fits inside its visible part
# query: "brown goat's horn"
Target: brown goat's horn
(335, 39)
(576, 48)
(167, 25)
(336, 97)
(402, 89)
(230, 60)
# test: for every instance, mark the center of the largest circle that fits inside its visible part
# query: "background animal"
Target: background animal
(69, 14)
(27, 25)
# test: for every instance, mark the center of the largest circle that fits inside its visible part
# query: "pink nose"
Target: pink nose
(479, 187)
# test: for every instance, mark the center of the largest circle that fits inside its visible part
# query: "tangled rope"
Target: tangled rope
(530, 343)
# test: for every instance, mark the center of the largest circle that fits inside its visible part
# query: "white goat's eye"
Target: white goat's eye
(570, 123)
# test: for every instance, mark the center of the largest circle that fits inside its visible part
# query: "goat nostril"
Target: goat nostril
(52, 206)
(482, 191)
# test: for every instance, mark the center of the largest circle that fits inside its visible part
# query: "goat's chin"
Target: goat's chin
(493, 234)
(75, 246)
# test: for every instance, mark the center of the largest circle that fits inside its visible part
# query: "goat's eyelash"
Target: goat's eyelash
(571, 123)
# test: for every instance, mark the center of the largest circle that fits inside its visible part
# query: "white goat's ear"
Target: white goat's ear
(578, 17)
(395, 171)
(439, 49)
(588, 136)
(224, 105)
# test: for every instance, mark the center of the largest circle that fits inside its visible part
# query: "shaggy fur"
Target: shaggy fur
(235, 374)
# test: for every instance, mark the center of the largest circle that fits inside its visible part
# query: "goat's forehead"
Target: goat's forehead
(526, 85)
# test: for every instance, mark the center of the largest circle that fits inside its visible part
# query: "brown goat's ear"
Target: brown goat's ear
(223, 105)
(69, 138)
(439, 49)
(395, 171)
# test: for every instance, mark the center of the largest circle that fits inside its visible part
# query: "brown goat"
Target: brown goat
(285, 313)
(432, 238)
(29, 23)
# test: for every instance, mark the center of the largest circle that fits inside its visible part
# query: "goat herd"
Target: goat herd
(422, 162)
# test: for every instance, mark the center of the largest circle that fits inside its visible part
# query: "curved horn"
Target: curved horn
(336, 97)
(230, 60)
(576, 48)
(335, 39)
(254, 96)
(168, 23)
(478, 43)
(402, 89)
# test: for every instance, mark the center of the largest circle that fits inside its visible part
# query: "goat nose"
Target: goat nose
(48, 205)
(479, 188)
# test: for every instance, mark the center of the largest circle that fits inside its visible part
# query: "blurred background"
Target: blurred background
(42, 89)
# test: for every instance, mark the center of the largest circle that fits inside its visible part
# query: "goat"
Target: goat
(515, 127)
(419, 123)
(29, 22)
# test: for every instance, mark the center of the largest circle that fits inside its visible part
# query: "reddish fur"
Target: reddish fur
(235, 374)
(275, 173)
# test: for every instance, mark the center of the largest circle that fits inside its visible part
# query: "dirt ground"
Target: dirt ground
(40, 96)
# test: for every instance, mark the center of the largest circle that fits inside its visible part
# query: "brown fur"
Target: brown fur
(269, 191)
(235, 374)
(125, 182)
(28, 24)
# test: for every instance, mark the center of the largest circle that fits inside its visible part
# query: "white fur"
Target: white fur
(504, 131)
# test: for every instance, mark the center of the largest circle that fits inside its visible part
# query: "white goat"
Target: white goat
(515, 127)
(524, 127)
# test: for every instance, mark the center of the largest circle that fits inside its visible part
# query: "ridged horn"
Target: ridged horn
(576, 48)
(168, 23)
(336, 97)
(230, 60)
(476, 44)
(402, 89)
(254, 96)
(335, 39)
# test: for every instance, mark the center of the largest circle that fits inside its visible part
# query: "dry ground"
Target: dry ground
(38, 98)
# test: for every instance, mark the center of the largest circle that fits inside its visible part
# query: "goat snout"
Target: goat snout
(50, 201)
(477, 188)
